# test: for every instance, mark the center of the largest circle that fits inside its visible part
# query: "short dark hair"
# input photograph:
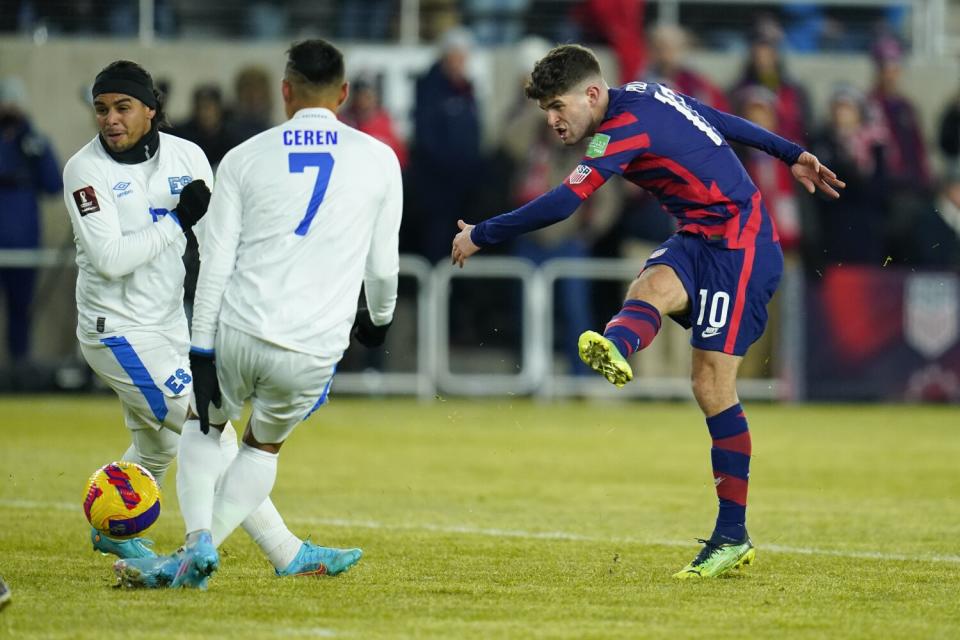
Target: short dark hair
(562, 69)
(315, 62)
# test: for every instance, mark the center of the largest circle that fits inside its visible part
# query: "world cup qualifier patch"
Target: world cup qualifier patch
(86, 199)
(598, 145)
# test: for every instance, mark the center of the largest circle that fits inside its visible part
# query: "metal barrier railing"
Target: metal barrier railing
(536, 376)
(532, 362)
(421, 381)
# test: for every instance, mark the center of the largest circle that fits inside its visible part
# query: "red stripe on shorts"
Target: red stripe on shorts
(745, 271)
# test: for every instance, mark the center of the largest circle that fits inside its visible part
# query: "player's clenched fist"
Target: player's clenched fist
(206, 386)
(194, 200)
(463, 246)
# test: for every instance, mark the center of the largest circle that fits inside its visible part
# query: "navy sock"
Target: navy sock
(634, 328)
(730, 456)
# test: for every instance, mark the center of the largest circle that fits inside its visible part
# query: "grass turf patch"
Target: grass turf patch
(516, 519)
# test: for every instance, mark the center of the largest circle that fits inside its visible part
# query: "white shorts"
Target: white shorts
(284, 386)
(150, 373)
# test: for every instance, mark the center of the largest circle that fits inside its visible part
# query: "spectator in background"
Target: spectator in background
(446, 164)
(906, 156)
(365, 113)
(765, 67)
(850, 232)
(667, 66)
(28, 168)
(772, 177)
(950, 133)
(908, 180)
(252, 110)
(619, 24)
(206, 127)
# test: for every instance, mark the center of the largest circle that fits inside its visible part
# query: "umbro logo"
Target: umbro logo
(709, 332)
(121, 186)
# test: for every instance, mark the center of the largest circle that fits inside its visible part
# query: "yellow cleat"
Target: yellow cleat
(717, 559)
(603, 357)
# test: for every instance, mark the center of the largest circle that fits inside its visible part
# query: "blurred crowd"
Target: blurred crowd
(896, 208)
(808, 26)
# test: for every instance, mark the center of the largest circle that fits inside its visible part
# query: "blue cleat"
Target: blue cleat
(4, 593)
(312, 560)
(191, 566)
(132, 548)
(198, 561)
(157, 572)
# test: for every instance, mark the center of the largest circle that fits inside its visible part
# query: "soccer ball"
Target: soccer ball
(122, 500)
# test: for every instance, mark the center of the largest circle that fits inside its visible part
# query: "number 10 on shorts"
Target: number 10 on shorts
(719, 306)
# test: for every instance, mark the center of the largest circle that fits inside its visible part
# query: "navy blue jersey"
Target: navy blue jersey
(674, 147)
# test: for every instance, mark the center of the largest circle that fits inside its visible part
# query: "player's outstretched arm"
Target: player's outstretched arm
(463, 245)
(812, 175)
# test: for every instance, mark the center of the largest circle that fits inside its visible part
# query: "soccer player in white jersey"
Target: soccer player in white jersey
(305, 213)
(132, 192)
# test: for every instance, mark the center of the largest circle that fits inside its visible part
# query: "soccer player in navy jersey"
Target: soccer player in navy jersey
(714, 276)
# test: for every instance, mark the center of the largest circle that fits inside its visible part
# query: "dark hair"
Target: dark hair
(134, 78)
(315, 62)
(562, 69)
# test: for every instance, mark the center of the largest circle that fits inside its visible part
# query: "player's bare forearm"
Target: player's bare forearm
(463, 245)
(812, 175)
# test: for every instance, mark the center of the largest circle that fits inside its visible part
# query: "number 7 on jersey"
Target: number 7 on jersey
(324, 164)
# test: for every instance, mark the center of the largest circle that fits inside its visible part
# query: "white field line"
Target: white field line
(536, 535)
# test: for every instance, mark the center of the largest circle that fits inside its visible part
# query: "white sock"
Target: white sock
(265, 525)
(154, 450)
(228, 448)
(246, 483)
(270, 532)
(197, 471)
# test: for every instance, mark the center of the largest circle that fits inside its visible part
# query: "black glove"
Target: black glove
(206, 387)
(194, 200)
(367, 333)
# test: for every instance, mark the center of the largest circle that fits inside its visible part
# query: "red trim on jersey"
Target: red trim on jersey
(706, 213)
(698, 191)
(748, 236)
(621, 120)
(641, 141)
(731, 488)
(740, 443)
(591, 183)
(740, 301)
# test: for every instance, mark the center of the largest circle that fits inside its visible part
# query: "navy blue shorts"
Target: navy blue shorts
(728, 288)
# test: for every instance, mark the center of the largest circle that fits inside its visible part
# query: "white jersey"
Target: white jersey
(129, 250)
(303, 213)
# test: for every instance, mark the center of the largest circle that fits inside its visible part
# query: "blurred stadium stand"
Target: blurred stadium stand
(57, 47)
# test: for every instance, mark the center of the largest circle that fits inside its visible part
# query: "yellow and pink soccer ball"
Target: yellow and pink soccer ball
(122, 500)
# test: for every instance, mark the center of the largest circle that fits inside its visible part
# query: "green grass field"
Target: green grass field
(509, 519)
